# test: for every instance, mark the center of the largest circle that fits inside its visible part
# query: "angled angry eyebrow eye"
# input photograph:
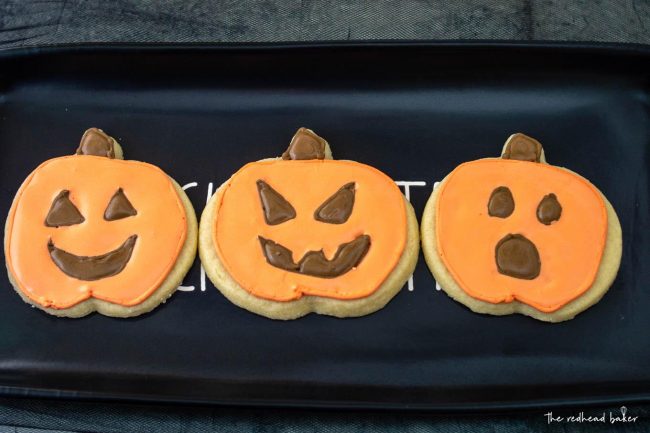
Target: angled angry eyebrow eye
(276, 208)
(63, 212)
(338, 207)
(119, 207)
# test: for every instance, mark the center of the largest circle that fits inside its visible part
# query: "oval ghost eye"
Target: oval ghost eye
(276, 208)
(119, 207)
(63, 212)
(501, 203)
(549, 209)
(338, 208)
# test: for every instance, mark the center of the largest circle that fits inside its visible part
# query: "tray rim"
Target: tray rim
(455, 408)
(601, 47)
(615, 48)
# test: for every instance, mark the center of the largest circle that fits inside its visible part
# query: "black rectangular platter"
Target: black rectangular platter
(415, 111)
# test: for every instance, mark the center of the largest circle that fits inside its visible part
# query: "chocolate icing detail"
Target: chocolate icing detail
(501, 203)
(305, 144)
(90, 268)
(314, 263)
(278, 255)
(517, 257)
(96, 142)
(119, 207)
(338, 208)
(276, 208)
(63, 212)
(549, 209)
(522, 148)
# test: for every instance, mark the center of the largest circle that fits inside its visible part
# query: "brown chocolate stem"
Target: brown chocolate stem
(305, 144)
(96, 142)
(523, 148)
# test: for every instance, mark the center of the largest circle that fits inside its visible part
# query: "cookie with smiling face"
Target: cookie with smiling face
(517, 235)
(93, 232)
(304, 233)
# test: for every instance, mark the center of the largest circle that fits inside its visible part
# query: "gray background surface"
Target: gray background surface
(30, 23)
(49, 22)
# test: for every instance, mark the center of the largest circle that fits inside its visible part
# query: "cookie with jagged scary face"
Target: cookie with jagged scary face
(94, 232)
(305, 233)
(517, 235)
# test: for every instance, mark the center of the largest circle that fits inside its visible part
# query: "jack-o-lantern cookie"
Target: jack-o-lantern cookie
(304, 233)
(517, 235)
(93, 232)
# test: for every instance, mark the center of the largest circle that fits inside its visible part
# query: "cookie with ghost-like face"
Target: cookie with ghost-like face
(517, 235)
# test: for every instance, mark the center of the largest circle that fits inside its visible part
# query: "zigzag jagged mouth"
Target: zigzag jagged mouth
(90, 268)
(314, 263)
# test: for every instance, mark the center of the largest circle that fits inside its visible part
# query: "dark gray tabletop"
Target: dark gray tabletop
(30, 23)
(120, 418)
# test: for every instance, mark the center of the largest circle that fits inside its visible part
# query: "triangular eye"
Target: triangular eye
(63, 212)
(119, 207)
(338, 208)
(276, 208)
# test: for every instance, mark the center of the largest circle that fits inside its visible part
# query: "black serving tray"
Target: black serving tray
(414, 111)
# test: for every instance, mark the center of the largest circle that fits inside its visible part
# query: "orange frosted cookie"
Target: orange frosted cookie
(93, 232)
(304, 233)
(517, 235)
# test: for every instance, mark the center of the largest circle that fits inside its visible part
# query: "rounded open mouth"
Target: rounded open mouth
(314, 263)
(90, 268)
(516, 256)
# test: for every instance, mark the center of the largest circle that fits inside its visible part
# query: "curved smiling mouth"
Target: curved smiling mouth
(314, 263)
(90, 268)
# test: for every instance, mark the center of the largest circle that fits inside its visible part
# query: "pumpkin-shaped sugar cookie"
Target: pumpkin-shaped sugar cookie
(304, 233)
(517, 235)
(93, 232)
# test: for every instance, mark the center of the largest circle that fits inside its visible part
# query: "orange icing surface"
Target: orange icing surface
(379, 211)
(570, 249)
(160, 225)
